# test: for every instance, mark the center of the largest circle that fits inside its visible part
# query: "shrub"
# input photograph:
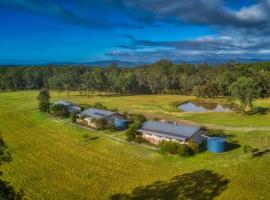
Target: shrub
(100, 123)
(60, 110)
(249, 149)
(195, 148)
(169, 146)
(86, 136)
(215, 133)
(111, 127)
(132, 131)
(184, 150)
(125, 114)
(100, 106)
(260, 110)
(140, 139)
(44, 106)
(73, 117)
(137, 118)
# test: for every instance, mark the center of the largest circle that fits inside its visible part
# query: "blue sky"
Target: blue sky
(35, 31)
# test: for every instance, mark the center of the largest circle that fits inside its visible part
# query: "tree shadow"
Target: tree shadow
(7, 192)
(260, 153)
(201, 185)
(94, 138)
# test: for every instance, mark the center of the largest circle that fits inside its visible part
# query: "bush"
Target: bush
(132, 131)
(86, 136)
(137, 118)
(44, 106)
(100, 106)
(60, 110)
(169, 146)
(216, 133)
(249, 149)
(73, 117)
(125, 114)
(100, 123)
(195, 148)
(140, 139)
(177, 148)
(111, 127)
(184, 150)
(260, 111)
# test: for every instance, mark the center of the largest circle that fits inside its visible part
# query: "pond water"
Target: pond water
(204, 107)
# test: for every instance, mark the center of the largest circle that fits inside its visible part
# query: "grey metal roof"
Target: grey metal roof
(97, 113)
(69, 105)
(169, 130)
(64, 102)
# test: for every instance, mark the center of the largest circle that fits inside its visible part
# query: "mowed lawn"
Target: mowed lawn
(51, 160)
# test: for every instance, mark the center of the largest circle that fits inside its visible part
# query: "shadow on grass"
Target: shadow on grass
(94, 138)
(200, 185)
(232, 145)
(260, 153)
(7, 192)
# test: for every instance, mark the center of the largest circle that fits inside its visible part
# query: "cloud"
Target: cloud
(242, 32)
(141, 13)
(213, 47)
(91, 14)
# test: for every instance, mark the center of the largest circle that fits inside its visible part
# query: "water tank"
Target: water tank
(216, 144)
(121, 123)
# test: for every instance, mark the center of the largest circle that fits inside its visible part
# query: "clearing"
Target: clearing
(51, 160)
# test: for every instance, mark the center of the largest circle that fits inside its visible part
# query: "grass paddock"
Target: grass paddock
(51, 159)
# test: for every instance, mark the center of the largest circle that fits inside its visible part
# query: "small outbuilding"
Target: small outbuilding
(69, 105)
(90, 116)
(155, 132)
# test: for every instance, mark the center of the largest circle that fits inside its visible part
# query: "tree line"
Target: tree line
(163, 77)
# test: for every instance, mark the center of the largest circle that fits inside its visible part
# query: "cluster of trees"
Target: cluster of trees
(161, 77)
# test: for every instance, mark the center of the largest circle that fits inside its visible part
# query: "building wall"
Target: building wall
(154, 139)
(198, 137)
(86, 122)
(111, 118)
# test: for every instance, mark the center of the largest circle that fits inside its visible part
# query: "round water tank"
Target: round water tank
(121, 123)
(216, 144)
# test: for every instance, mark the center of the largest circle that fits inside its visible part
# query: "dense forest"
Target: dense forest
(161, 77)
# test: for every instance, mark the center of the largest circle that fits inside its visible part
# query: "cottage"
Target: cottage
(89, 116)
(69, 105)
(155, 131)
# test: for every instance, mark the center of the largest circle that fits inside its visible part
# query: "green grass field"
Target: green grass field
(51, 160)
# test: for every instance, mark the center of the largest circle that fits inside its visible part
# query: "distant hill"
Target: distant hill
(212, 61)
(120, 63)
(105, 63)
(101, 63)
